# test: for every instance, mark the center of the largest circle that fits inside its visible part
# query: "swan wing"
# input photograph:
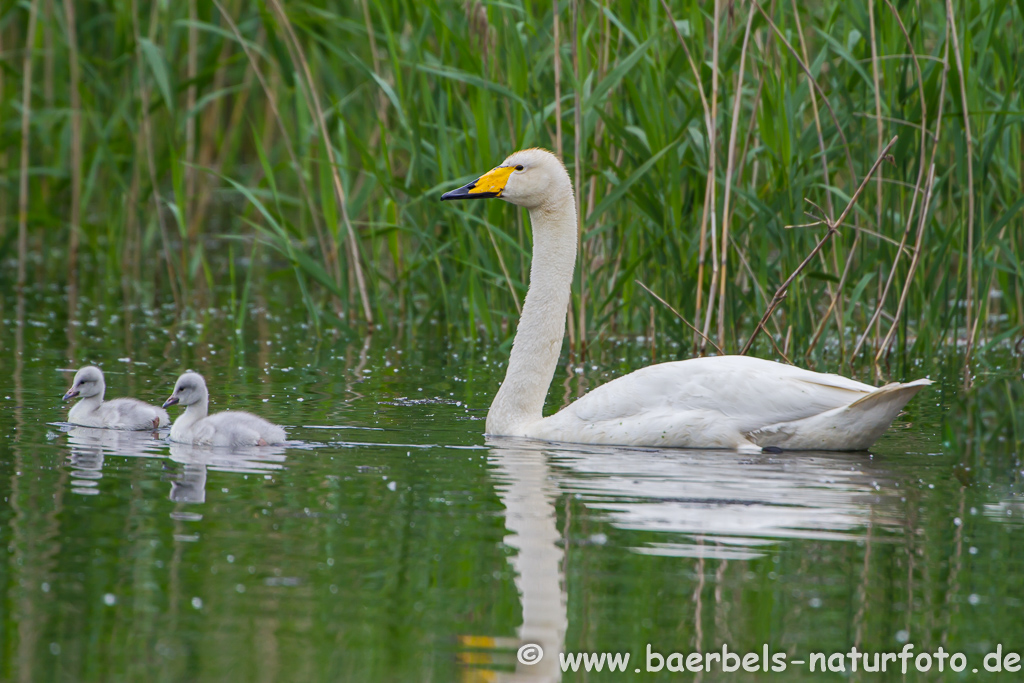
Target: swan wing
(850, 427)
(702, 402)
(752, 391)
(238, 428)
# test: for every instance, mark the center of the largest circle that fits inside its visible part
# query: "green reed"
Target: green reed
(165, 140)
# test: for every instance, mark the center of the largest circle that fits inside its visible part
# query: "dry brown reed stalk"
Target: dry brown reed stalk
(849, 162)
(651, 332)
(836, 302)
(131, 252)
(74, 224)
(878, 135)
(825, 174)
(596, 248)
(927, 198)
(753, 278)
(382, 105)
(3, 155)
(26, 119)
(604, 58)
(49, 59)
(559, 141)
(730, 161)
(810, 78)
(716, 20)
(876, 316)
(713, 290)
(918, 246)
(208, 153)
(897, 121)
(558, 79)
(188, 206)
(313, 101)
(717, 277)
(584, 262)
(504, 269)
(76, 141)
(680, 316)
(327, 249)
(701, 255)
(986, 311)
(754, 103)
(833, 227)
(709, 126)
(970, 327)
(147, 140)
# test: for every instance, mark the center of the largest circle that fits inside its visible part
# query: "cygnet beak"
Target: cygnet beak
(173, 400)
(71, 393)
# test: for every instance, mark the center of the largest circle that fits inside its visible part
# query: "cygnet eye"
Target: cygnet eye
(519, 167)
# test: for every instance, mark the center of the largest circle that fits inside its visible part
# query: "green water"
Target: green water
(391, 542)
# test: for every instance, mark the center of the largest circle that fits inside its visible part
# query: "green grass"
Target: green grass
(199, 136)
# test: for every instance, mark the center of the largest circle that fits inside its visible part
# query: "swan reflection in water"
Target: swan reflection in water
(90, 447)
(524, 484)
(738, 501)
(710, 504)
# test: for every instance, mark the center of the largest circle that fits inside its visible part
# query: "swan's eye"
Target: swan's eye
(519, 167)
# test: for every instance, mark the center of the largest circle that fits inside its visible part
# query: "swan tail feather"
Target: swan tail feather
(853, 427)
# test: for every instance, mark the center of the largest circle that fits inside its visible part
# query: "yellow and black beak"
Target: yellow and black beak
(488, 185)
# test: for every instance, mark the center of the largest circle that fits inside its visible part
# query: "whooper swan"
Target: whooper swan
(121, 413)
(231, 428)
(718, 402)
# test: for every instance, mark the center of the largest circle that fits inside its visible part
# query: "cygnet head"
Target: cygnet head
(88, 383)
(190, 388)
(530, 178)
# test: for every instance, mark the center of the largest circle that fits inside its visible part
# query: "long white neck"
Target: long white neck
(520, 400)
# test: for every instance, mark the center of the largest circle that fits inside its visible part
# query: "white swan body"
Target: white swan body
(718, 402)
(232, 428)
(121, 413)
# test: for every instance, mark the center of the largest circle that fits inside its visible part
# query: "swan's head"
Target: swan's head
(529, 177)
(88, 382)
(190, 388)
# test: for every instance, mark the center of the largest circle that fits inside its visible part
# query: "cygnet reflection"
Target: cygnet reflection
(90, 446)
(189, 484)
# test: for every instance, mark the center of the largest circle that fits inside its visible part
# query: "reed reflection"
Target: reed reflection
(90, 446)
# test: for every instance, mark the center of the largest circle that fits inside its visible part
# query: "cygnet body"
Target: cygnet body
(121, 413)
(231, 428)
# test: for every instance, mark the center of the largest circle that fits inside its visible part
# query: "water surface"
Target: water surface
(392, 542)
